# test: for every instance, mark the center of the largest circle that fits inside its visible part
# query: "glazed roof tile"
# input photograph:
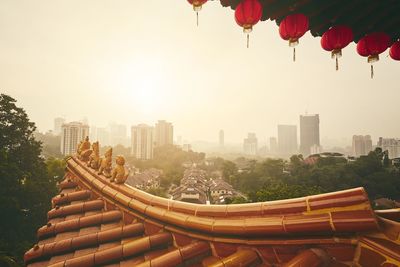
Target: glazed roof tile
(97, 223)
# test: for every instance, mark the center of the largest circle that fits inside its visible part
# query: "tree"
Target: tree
(56, 168)
(51, 144)
(7, 260)
(229, 169)
(386, 160)
(286, 191)
(25, 187)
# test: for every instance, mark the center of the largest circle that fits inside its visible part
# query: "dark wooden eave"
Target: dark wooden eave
(363, 16)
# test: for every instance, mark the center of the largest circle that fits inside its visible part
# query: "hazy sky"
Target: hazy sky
(132, 61)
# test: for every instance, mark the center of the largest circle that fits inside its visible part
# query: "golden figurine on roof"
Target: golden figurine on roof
(106, 164)
(84, 150)
(94, 158)
(119, 173)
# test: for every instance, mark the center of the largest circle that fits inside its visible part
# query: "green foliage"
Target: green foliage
(285, 191)
(56, 168)
(229, 171)
(236, 200)
(51, 144)
(274, 179)
(7, 260)
(25, 186)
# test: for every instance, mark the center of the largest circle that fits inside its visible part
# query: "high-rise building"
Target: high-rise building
(93, 133)
(392, 145)
(179, 140)
(164, 133)
(187, 147)
(142, 141)
(250, 144)
(58, 122)
(71, 134)
(118, 134)
(287, 139)
(221, 138)
(103, 136)
(362, 145)
(273, 145)
(309, 134)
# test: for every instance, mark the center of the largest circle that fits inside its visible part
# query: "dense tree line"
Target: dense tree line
(27, 181)
(274, 179)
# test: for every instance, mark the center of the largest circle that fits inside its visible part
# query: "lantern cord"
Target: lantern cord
(372, 71)
(197, 18)
(248, 40)
(294, 54)
(337, 64)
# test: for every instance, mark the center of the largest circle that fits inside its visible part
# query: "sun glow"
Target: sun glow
(143, 83)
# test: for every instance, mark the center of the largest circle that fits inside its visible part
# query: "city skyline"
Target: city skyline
(199, 133)
(105, 137)
(125, 75)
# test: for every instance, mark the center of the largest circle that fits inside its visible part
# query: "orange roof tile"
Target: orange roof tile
(95, 222)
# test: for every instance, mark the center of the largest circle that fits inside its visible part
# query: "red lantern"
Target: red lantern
(292, 28)
(197, 5)
(371, 45)
(335, 39)
(394, 51)
(247, 14)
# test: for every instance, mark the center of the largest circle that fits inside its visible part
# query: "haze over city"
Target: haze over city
(199, 133)
(133, 62)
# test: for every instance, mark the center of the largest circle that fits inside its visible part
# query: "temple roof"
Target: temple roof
(98, 223)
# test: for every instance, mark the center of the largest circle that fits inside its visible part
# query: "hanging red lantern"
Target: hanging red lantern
(197, 6)
(247, 14)
(335, 39)
(292, 28)
(394, 51)
(371, 45)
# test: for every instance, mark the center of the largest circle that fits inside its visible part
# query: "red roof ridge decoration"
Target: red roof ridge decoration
(95, 222)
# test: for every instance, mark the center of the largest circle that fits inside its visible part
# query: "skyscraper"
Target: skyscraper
(118, 134)
(309, 134)
(273, 145)
(58, 122)
(71, 134)
(392, 145)
(287, 139)
(362, 145)
(221, 138)
(103, 136)
(142, 141)
(164, 133)
(250, 144)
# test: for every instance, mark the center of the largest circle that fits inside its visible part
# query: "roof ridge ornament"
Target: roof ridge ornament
(105, 165)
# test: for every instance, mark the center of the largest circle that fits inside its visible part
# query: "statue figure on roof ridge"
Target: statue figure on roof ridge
(84, 150)
(106, 163)
(78, 148)
(119, 173)
(94, 158)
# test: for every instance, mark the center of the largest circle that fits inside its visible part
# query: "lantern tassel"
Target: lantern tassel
(294, 54)
(197, 18)
(248, 40)
(337, 64)
(372, 71)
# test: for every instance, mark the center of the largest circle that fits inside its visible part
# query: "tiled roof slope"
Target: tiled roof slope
(97, 223)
